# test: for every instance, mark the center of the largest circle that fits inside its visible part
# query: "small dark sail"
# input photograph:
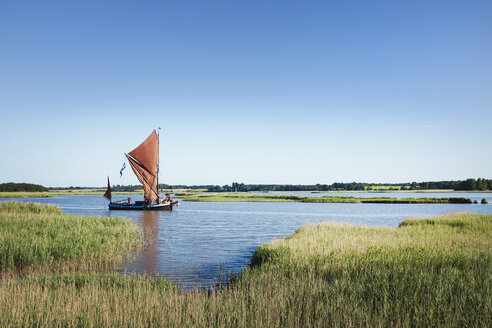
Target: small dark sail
(107, 194)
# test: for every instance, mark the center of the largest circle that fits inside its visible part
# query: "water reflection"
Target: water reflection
(149, 256)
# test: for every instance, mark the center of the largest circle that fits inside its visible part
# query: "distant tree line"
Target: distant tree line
(466, 185)
(235, 186)
(11, 186)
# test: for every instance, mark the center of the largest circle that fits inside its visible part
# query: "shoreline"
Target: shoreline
(187, 194)
(217, 197)
(52, 194)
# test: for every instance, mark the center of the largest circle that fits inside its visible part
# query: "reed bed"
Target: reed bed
(433, 272)
(33, 234)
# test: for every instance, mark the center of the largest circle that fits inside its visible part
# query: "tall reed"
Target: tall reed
(33, 234)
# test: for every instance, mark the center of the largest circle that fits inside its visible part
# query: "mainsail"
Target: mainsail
(144, 162)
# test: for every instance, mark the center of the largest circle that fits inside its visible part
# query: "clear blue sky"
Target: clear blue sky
(249, 91)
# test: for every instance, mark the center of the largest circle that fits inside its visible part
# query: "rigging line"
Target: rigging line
(141, 175)
(136, 161)
(144, 179)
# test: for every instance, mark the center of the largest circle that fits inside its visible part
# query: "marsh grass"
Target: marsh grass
(33, 234)
(432, 272)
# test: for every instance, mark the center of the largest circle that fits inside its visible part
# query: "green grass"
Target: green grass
(64, 192)
(247, 197)
(33, 234)
(428, 272)
(385, 188)
(432, 272)
(26, 194)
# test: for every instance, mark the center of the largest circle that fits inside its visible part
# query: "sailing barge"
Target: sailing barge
(144, 161)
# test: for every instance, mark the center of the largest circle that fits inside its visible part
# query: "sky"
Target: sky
(259, 92)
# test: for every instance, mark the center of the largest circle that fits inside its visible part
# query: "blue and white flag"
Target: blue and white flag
(121, 171)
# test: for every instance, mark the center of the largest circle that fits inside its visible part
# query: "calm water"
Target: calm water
(197, 241)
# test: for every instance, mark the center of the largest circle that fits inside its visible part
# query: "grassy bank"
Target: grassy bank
(246, 197)
(33, 234)
(76, 192)
(426, 273)
(64, 192)
(27, 194)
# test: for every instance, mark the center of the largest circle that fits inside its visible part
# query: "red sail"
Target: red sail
(147, 154)
(143, 161)
(107, 194)
(148, 181)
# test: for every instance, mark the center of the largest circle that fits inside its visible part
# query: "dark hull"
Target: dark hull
(142, 207)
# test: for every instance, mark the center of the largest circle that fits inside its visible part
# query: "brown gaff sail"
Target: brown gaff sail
(107, 194)
(144, 162)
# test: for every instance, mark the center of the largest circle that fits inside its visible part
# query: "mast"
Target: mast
(158, 160)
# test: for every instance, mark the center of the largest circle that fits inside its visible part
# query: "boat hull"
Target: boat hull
(142, 207)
